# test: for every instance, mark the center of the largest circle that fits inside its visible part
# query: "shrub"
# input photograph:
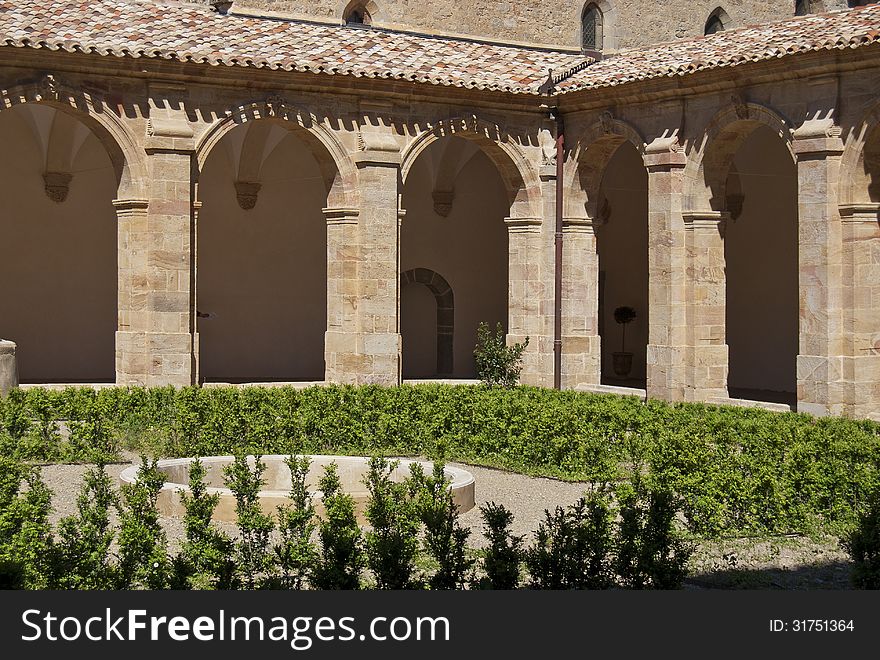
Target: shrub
(393, 542)
(26, 541)
(573, 547)
(295, 552)
(505, 553)
(204, 561)
(650, 555)
(82, 558)
(342, 558)
(445, 538)
(253, 558)
(498, 365)
(862, 544)
(143, 557)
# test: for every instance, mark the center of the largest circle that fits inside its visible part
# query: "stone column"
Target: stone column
(8, 367)
(341, 339)
(861, 292)
(821, 387)
(525, 294)
(581, 344)
(154, 342)
(707, 354)
(378, 349)
(667, 290)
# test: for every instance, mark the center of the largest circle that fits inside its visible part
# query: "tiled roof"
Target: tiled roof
(192, 33)
(131, 28)
(832, 31)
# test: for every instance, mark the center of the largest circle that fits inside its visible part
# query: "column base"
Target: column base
(537, 360)
(581, 361)
(362, 358)
(148, 359)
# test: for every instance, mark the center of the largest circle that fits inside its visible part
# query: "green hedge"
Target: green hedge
(736, 470)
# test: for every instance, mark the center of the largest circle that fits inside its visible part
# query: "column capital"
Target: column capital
(582, 225)
(127, 207)
(704, 220)
(341, 216)
(663, 154)
(523, 225)
(817, 138)
(868, 212)
(375, 158)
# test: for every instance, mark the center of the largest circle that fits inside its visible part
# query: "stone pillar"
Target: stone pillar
(378, 348)
(526, 310)
(154, 342)
(667, 290)
(707, 354)
(581, 343)
(861, 292)
(8, 367)
(341, 340)
(821, 387)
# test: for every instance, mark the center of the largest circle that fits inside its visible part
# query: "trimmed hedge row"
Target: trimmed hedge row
(737, 470)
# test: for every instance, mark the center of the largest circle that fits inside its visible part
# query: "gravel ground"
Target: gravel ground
(778, 563)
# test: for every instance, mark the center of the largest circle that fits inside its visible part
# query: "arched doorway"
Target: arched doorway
(59, 236)
(456, 202)
(262, 256)
(622, 242)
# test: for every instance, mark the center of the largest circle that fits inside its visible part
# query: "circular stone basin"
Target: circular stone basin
(276, 480)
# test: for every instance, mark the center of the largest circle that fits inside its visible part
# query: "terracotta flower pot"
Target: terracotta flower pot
(623, 363)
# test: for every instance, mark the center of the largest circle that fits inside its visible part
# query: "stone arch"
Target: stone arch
(90, 109)
(710, 162)
(521, 181)
(371, 11)
(338, 171)
(589, 158)
(445, 298)
(857, 185)
(717, 21)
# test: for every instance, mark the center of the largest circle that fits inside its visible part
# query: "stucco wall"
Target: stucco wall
(627, 22)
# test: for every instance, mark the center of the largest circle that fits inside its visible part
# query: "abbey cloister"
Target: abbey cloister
(166, 221)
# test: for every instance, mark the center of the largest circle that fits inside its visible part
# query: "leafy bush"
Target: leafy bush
(498, 365)
(342, 557)
(505, 553)
(573, 548)
(295, 552)
(862, 544)
(205, 560)
(393, 542)
(445, 538)
(253, 558)
(143, 556)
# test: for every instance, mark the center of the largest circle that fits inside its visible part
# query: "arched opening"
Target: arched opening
(761, 256)
(262, 256)
(802, 7)
(358, 13)
(59, 237)
(591, 28)
(718, 21)
(622, 241)
(456, 202)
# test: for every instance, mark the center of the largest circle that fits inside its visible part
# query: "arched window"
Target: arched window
(802, 7)
(591, 28)
(357, 14)
(717, 22)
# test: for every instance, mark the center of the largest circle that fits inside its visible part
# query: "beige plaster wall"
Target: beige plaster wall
(627, 22)
(623, 258)
(468, 248)
(761, 251)
(262, 272)
(58, 264)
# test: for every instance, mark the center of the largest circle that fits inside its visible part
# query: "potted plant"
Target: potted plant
(623, 361)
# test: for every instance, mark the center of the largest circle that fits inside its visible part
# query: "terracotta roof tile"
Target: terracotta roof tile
(191, 33)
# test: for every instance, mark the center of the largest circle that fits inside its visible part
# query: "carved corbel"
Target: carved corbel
(57, 185)
(246, 193)
(443, 200)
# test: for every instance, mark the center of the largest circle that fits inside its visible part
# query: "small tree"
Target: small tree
(342, 557)
(143, 557)
(393, 541)
(498, 365)
(445, 538)
(505, 553)
(205, 560)
(624, 316)
(254, 527)
(295, 551)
